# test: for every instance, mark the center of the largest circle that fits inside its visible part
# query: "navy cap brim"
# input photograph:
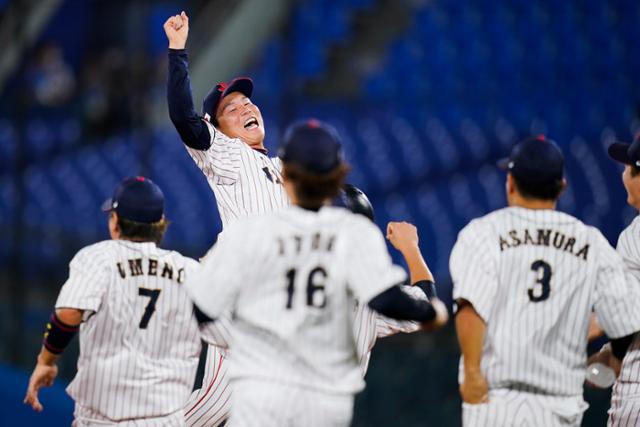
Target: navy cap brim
(503, 163)
(244, 85)
(619, 151)
(107, 205)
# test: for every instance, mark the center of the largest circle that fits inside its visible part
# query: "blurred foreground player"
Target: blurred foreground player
(625, 397)
(139, 338)
(526, 279)
(294, 353)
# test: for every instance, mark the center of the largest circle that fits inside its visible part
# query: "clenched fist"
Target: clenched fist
(177, 30)
(402, 235)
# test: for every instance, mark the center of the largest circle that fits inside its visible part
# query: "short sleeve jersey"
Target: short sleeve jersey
(534, 276)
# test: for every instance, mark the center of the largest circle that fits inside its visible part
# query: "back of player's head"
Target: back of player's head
(537, 167)
(312, 160)
(354, 199)
(628, 154)
(139, 205)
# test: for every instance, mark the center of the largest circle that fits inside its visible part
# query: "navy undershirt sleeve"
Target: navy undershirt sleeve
(189, 124)
(396, 304)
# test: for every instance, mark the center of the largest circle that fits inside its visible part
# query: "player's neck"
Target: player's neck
(521, 202)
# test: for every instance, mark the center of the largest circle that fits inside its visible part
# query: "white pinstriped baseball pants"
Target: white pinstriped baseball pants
(262, 404)
(84, 417)
(624, 412)
(510, 408)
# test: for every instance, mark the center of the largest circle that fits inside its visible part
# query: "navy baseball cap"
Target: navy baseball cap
(312, 145)
(537, 160)
(629, 154)
(137, 199)
(243, 85)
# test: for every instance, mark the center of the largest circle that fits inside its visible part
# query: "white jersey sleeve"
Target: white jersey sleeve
(87, 282)
(616, 298)
(226, 262)
(473, 269)
(386, 326)
(217, 333)
(221, 160)
(372, 270)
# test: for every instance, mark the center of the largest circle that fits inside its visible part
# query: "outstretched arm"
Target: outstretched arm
(60, 330)
(190, 125)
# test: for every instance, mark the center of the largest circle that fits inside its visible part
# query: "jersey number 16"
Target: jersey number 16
(315, 286)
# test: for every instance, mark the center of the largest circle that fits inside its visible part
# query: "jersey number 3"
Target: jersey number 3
(315, 286)
(153, 295)
(540, 290)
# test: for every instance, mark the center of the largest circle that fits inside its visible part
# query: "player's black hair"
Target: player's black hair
(142, 232)
(311, 189)
(635, 170)
(545, 191)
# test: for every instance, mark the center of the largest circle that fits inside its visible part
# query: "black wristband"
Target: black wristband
(58, 334)
(428, 287)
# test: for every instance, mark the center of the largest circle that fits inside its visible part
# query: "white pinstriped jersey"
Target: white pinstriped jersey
(245, 181)
(628, 383)
(293, 309)
(139, 342)
(368, 326)
(211, 404)
(534, 276)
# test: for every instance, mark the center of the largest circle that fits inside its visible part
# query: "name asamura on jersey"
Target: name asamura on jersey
(544, 237)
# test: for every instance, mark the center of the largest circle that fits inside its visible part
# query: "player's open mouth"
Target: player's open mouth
(251, 123)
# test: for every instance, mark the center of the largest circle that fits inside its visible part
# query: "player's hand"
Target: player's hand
(606, 357)
(474, 389)
(177, 30)
(402, 235)
(43, 376)
(442, 316)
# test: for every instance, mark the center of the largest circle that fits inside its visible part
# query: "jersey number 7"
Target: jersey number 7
(153, 294)
(315, 284)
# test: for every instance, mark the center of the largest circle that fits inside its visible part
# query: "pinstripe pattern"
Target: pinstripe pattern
(540, 344)
(368, 326)
(625, 398)
(508, 408)
(305, 346)
(211, 404)
(86, 418)
(244, 181)
(124, 371)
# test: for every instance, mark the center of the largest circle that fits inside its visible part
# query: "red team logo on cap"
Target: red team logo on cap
(222, 87)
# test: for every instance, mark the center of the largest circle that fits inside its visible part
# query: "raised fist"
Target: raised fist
(402, 235)
(177, 30)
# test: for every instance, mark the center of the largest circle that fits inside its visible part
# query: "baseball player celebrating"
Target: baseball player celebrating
(526, 279)
(294, 354)
(139, 338)
(227, 144)
(625, 398)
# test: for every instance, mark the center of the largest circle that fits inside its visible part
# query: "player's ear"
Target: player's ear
(510, 185)
(564, 185)
(114, 228)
